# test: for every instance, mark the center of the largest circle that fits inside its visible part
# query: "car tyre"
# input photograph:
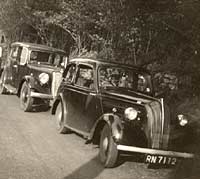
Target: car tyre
(108, 152)
(3, 90)
(59, 119)
(26, 101)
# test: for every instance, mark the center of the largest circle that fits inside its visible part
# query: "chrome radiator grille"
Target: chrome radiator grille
(157, 125)
(56, 80)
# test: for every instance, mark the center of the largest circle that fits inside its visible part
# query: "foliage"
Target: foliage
(164, 34)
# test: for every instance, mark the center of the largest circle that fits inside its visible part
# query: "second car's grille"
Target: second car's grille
(56, 80)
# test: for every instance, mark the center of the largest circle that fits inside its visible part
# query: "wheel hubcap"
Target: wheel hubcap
(59, 117)
(105, 144)
(1, 83)
(25, 95)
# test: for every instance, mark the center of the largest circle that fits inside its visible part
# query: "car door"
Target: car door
(20, 68)
(66, 89)
(14, 64)
(83, 99)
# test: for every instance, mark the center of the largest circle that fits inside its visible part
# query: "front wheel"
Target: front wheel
(108, 152)
(26, 101)
(3, 90)
(59, 119)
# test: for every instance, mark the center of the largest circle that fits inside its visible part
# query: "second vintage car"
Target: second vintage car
(33, 72)
(112, 105)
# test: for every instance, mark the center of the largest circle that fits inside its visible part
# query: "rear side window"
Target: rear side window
(14, 52)
(23, 57)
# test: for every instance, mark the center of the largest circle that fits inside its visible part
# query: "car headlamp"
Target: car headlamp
(130, 113)
(182, 120)
(44, 78)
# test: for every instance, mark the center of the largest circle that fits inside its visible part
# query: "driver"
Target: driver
(33, 56)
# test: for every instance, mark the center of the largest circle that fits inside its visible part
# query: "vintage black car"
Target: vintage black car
(33, 72)
(112, 105)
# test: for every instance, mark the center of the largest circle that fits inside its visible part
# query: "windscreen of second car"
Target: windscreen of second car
(126, 78)
(48, 58)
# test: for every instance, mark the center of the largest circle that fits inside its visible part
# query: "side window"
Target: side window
(23, 57)
(84, 77)
(33, 56)
(14, 52)
(19, 51)
(69, 73)
(57, 60)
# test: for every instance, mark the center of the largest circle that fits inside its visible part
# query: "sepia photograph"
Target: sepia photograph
(98, 89)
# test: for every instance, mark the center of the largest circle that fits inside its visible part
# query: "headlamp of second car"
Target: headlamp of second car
(130, 113)
(182, 119)
(43, 78)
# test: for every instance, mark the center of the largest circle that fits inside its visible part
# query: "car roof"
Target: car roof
(100, 61)
(37, 46)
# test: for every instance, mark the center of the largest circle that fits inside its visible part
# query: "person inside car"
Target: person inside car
(85, 78)
(33, 56)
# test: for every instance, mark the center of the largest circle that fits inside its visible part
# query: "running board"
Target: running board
(10, 88)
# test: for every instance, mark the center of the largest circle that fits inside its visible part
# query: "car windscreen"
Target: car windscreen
(120, 77)
(49, 58)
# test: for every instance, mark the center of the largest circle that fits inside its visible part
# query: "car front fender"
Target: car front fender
(56, 101)
(30, 80)
(113, 121)
(34, 84)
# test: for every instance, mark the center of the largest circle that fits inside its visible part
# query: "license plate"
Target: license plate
(158, 159)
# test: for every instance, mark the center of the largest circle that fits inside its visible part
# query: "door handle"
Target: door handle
(92, 94)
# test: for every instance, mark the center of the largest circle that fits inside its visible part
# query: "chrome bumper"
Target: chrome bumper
(41, 95)
(154, 151)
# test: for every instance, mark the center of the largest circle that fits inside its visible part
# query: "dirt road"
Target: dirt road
(30, 148)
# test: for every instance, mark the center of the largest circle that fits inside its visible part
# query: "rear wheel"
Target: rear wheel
(108, 152)
(59, 119)
(3, 90)
(26, 101)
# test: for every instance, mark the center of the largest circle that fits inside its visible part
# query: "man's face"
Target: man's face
(89, 75)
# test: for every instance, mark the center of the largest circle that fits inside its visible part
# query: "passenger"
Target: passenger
(142, 84)
(115, 79)
(33, 56)
(57, 60)
(123, 81)
(89, 82)
(109, 77)
(86, 79)
(104, 80)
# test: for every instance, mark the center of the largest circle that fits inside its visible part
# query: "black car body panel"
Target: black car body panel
(87, 109)
(31, 63)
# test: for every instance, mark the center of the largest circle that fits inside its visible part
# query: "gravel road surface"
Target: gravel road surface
(30, 148)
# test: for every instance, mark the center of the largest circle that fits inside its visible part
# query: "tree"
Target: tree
(132, 31)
